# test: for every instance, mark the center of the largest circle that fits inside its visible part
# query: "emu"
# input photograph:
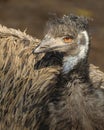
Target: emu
(76, 103)
(32, 86)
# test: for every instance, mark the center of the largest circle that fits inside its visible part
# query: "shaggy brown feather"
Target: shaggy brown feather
(26, 90)
(22, 87)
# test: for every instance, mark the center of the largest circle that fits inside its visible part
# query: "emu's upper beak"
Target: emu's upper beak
(46, 45)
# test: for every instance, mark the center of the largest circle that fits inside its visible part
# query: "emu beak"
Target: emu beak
(37, 50)
(44, 46)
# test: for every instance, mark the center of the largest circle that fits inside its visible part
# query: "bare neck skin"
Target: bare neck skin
(69, 62)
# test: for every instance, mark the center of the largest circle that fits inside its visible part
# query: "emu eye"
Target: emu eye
(68, 39)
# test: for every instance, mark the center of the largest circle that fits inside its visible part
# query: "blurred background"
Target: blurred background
(33, 14)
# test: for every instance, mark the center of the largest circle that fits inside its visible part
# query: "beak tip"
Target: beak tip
(36, 51)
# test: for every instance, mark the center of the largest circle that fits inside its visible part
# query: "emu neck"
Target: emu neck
(69, 62)
(80, 60)
(73, 66)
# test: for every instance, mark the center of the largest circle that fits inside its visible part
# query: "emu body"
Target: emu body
(35, 95)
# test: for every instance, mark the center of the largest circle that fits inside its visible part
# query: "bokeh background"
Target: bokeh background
(33, 14)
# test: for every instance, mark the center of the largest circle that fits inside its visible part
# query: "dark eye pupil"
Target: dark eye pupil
(69, 37)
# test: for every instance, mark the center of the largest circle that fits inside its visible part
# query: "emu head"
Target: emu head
(67, 35)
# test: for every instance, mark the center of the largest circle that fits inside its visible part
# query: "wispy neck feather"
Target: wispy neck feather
(69, 62)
